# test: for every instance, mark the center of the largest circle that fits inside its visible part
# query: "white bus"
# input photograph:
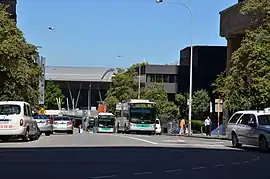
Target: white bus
(136, 115)
(104, 122)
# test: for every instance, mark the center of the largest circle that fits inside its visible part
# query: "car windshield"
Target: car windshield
(142, 115)
(9, 109)
(106, 122)
(264, 119)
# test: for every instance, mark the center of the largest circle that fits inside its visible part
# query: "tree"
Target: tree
(155, 92)
(52, 93)
(181, 102)
(247, 84)
(18, 70)
(200, 102)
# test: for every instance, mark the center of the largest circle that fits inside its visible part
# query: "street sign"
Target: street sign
(42, 111)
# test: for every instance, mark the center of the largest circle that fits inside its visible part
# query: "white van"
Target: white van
(16, 121)
(158, 127)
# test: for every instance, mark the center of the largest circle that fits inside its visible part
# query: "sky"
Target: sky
(118, 33)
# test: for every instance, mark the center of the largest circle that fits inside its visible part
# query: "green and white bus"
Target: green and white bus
(136, 116)
(104, 122)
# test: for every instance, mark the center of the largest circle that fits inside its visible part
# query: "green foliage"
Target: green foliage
(155, 92)
(181, 102)
(258, 10)
(52, 93)
(197, 124)
(18, 70)
(200, 102)
(247, 84)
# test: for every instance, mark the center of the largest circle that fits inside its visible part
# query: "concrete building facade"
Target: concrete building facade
(209, 61)
(233, 25)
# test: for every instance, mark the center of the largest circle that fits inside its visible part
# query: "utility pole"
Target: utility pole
(139, 85)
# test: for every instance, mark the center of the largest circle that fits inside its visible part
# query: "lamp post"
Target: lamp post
(191, 58)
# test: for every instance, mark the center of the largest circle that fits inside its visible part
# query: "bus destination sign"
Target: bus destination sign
(142, 105)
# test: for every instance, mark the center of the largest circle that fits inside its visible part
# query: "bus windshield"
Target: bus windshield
(142, 115)
(106, 121)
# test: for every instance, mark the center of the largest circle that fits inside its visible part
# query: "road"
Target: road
(118, 156)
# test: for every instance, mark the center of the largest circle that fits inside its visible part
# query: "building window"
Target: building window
(153, 78)
(165, 78)
(172, 79)
(159, 78)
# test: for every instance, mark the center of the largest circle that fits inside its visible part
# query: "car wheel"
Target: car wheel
(47, 133)
(25, 138)
(235, 141)
(263, 144)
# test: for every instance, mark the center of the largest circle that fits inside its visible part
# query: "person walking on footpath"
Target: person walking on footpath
(182, 126)
(207, 125)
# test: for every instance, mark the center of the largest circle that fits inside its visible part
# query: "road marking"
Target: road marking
(219, 165)
(235, 163)
(138, 139)
(198, 168)
(143, 173)
(174, 141)
(108, 176)
(245, 161)
(170, 171)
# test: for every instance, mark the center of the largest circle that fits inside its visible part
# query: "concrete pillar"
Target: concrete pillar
(233, 43)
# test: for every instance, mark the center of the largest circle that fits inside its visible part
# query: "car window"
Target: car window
(62, 119)
(264, 119)
(9, 109)
(235, 117)
(246, 118)
(25, 110)
(40, 117)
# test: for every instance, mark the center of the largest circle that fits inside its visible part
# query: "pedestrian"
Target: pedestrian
(207, 125)
(182, 126)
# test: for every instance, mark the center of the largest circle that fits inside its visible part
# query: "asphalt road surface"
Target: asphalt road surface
(101, 156)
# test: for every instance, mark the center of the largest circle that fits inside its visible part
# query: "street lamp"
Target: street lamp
(191, 59)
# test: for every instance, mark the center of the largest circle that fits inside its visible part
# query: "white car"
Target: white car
(63, 124)
(16, 121)
(158, 127)
(250, 128)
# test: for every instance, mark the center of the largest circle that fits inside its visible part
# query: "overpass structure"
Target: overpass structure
(83, 87)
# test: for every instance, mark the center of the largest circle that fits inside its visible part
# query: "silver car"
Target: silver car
(250, 128)
(44, 124)
(63, 124)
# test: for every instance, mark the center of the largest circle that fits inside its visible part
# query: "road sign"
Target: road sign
(42, 111)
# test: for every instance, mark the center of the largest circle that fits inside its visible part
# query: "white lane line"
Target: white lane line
(171, 171)
(101, 177)
(219, 165)
(174, 141)
(235, 163)
(143, 173)
(138, 139)
(198, 168)
(245, 161)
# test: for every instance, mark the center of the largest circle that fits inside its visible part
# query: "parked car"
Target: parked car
(63, 124)
(44, 124)
(16, 121)
(250, 128)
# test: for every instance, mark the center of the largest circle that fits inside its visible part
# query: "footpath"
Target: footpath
(202, 136)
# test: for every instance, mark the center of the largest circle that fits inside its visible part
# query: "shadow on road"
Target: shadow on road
(130, 162)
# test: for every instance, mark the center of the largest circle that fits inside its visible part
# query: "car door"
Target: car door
(252, 132)
(243, 128)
